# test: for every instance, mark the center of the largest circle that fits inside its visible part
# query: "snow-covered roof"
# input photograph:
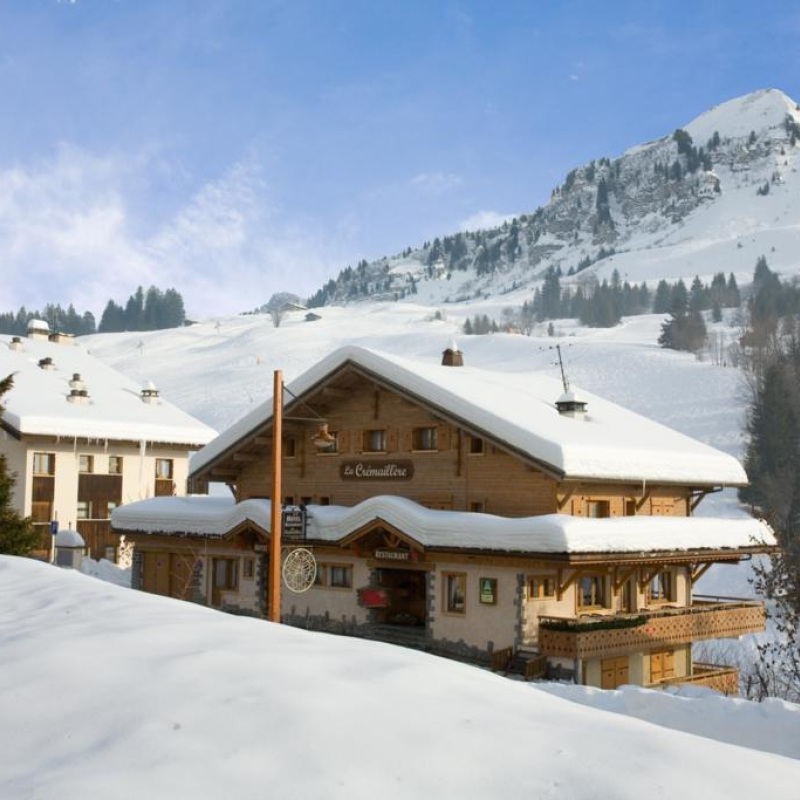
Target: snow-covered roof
(518, 409)
(552, 533)
(38, 402)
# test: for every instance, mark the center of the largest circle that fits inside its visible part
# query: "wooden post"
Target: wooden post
(275, 517)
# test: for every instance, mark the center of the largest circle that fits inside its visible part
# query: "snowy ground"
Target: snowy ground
(220, 369)
(112, 694)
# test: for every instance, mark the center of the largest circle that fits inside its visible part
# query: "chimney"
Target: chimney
(47, 363)
(76, 382)
(569, 405)
(61, 338)
(38, 329)
(78, 397)
(149, 393)
(452, 357)
(16, 344)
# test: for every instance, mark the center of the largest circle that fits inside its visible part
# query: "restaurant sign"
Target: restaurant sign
(393, 555)
(293, 519)
(400, 470)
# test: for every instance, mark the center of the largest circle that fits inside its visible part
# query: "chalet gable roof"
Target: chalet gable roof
(517, 410)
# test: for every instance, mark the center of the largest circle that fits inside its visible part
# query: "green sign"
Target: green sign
(488, 590)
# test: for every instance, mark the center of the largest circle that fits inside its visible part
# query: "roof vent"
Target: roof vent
(452, 357)
(569, 405)
(47, 363)
(38, 329)
(78, 397)
(76, 382)
(149, 393)
(16, 344)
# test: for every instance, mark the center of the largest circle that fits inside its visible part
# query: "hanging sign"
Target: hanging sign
(54, 527)
(488, 590)
(399, 470)
(293, 522)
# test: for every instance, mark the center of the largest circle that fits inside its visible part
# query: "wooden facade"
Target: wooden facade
(602, 618)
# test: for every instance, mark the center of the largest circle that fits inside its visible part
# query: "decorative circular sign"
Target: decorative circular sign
(299, 570)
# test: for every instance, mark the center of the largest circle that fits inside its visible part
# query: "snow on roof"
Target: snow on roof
(518, 409)
(69, 538)
(38, 325)
(38, 402)
(551, 533)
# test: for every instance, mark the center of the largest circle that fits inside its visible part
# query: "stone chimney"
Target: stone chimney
(452, 357)
(79, 397)
(76, 382)
(47, 363)
(16, 344)
(569, 405)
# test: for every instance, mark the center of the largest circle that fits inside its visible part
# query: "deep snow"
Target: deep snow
(111, 693)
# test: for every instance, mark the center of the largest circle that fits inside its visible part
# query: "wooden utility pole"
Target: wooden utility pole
(275, 517)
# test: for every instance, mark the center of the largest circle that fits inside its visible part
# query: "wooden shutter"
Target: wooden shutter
(656, 667)
(407, 440)
(344, 441)
(358, 441)
(391, 440)
(444, 437)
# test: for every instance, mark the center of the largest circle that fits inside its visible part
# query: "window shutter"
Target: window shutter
(358, 441)
(344, 441)
(444, 437)
(391, 440)
(407, 440)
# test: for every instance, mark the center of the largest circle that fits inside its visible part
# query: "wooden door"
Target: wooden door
(613, 672)
(156, 573)
(662, 665)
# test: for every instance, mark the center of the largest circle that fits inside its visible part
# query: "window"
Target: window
(110, 554)
(41, 511)
(659, 590)
(289, 447)
(375, 441)
(476, 447)
(288, 500)
(319, 578)
(477, 507)
(597, 508)
(455, 601)
(426, 439)
(164, 469)
(86, 464)
(84, 509)
(592, 591)
(226, 573)
(305, 501)
(341, 577)
(248, 568)
(324, 501)
(44, 463)
(115, 465)
(110, 506)
(539, 588)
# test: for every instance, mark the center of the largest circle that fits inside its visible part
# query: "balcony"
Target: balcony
(591, 636)
(712, 676)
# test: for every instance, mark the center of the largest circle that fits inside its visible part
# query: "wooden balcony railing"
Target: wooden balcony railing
(616, 634)
(713, 676)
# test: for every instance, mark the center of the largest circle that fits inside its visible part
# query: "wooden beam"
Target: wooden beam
(562, 586)
(645, 497)
(699, 570)
(696, 500)
(618, 582)
(649, 575)
(566, 498)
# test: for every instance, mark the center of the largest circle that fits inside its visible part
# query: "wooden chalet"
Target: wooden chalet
(482, 515)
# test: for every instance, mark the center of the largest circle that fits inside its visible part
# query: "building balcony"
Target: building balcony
(596, 635)
(712, 676)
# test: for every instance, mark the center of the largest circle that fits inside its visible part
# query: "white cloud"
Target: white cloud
(484, 219)
(69, 233)
(435, 182)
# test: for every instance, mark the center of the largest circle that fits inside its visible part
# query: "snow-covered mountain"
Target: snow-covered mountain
(711, 196)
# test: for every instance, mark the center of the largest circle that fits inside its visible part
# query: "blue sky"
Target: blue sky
(235, 148)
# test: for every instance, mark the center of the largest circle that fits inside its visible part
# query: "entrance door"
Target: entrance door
(156, 573)
(407, 597)
(613, 672)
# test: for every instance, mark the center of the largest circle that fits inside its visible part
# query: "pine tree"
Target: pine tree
(17, 537)
(662, 299)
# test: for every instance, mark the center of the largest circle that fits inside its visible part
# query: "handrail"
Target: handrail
(700, 608)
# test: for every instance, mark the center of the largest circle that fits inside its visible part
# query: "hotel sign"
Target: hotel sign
(293, 520)
(400, 470)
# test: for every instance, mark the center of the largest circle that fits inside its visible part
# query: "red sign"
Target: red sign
(373, 598)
